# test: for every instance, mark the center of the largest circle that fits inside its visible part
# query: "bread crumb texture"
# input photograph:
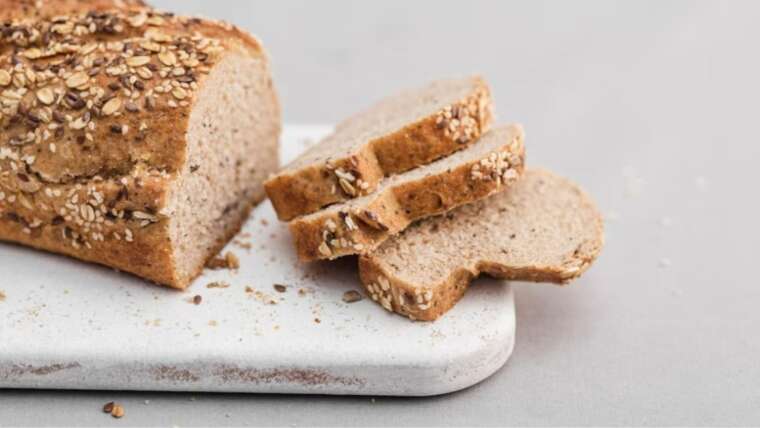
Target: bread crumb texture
(544, 228)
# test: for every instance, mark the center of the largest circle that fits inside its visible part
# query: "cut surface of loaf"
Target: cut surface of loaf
(397, 134)
(359, 225)
(544, 228)
(134, 139)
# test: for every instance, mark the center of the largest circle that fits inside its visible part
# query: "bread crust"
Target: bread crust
(95, 110)
(361, 228)
(33, 9)
(296, 193)
(427, 302)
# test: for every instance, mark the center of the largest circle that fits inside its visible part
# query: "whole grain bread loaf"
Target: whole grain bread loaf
(359, 225)
(32, 9)
(397, 134)
(544, 228)
(134, 139)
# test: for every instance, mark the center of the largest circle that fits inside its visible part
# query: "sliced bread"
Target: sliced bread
(397, 134)
(360, 225)
(544, 228)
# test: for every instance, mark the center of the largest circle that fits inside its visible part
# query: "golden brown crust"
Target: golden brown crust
(313, 187)
(361, 228)
(94, 110)
(427, 302)
(411, 300)
(33, 9)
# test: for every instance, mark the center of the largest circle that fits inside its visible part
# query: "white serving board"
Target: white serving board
(66, 324)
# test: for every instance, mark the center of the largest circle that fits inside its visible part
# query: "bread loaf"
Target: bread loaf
(133, 139)
(395, 135)
(359, 225)
(33, 9)
(544, 228)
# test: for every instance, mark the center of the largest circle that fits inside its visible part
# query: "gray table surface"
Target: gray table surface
(651, 106)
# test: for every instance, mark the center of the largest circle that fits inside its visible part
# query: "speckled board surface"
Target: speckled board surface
(65, 324)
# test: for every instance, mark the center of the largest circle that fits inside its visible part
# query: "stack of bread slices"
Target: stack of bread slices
(429, 194)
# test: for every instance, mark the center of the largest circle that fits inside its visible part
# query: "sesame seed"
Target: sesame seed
(112, 106)
(179, 93)
(5, 78)
(324, 249)
(46, 96)
(77, 80)
(167, 58)
(352, 296)
(137, 61)
(347, 187)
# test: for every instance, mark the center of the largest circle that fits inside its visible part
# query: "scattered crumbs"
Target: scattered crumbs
(665, 262)
(280, 288)
(218, 284)
(351, 296)
(113, 409)
(213, 323)
(217, 263)
(304, 291)
(261, 296)
(197, 299)
(317, 320)
(245, 235)
(276, 327)
(666, 221)
(229, 261)
(242, 244)
(118, 411)
(2, 296)
(232, 260)
(264, 222)
(156, 322)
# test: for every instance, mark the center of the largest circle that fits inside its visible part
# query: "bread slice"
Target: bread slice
(140, 141)
(544, 228)
(397, 134)
(358, 226)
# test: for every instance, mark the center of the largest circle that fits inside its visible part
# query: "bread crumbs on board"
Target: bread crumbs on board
(229, 261)
(261, 296)
(218, 284)
(115, 410)
(351, 296)
(2, 296)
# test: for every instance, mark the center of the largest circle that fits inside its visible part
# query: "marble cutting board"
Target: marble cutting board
(65, 324)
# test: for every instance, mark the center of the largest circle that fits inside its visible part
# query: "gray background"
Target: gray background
(651, 106)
